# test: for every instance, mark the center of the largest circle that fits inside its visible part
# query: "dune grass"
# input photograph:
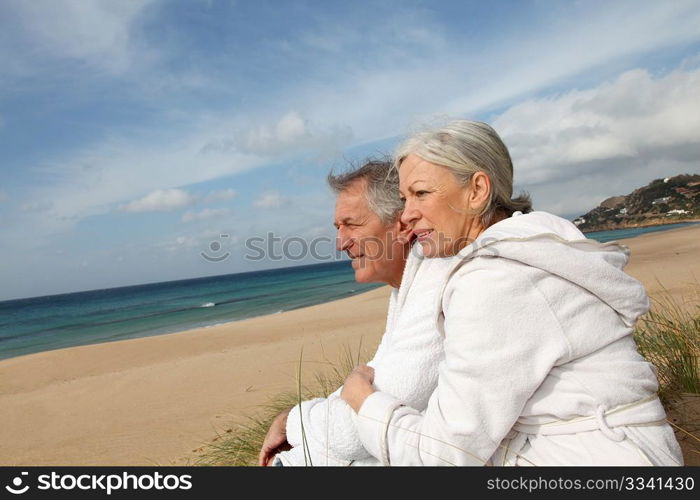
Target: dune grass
(241, 445)
(668, 337)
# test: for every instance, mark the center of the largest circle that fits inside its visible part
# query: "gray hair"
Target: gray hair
(466, 147)
(382, 187)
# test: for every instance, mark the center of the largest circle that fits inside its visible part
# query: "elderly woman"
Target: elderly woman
(540, 365)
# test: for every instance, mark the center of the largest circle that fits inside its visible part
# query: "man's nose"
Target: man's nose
(342, 239)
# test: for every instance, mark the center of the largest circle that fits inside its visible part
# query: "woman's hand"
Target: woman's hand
(358, 386)
(275, 440)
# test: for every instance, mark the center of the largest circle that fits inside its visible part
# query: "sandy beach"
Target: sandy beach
(152, 401)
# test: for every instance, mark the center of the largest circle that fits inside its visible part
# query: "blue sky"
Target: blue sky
(135, 133)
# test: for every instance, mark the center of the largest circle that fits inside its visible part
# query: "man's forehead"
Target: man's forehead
(351, 204)
(351, 207)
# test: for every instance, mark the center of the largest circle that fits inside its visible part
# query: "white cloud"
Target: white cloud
(573, 44)
(270, 199)
(207, 213)
(161, 200)
(178, 244)
(220, 195)
(193, 243)
(98, 32)
(571, 151)
(635, 116)
(103, 177)
(379, 97)
(578, 194)
(35, 206)
(291, 132)
(186, 241)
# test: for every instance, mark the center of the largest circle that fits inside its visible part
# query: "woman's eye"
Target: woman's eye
(421, 193)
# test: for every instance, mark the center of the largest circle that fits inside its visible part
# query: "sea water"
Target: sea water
(66, 320)
(618, 234)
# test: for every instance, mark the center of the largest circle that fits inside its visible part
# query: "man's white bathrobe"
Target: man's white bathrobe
(405, 364)
(540, 366)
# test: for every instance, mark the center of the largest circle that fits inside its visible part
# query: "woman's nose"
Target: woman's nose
(409, 214)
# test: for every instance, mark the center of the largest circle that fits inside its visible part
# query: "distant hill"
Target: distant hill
(662, 201)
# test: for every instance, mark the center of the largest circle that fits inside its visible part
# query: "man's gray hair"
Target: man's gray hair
(465, 147)
(382, 190)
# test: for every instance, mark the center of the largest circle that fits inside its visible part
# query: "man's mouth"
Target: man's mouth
(356, 261)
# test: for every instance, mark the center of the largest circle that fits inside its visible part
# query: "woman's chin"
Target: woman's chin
(430, 250)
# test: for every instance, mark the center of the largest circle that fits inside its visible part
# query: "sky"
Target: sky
(155, 140)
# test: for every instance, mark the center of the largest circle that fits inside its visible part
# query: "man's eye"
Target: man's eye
(403, 200)
(421, 193)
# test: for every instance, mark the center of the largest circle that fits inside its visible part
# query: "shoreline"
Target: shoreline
(156, 400)
(654, 223)
(667, 266)
(174, 329)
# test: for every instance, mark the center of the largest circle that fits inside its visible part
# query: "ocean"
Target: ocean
(56, 321)
(620, 234)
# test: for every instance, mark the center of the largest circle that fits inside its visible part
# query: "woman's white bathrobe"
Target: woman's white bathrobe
(540, 365)
(405, 365)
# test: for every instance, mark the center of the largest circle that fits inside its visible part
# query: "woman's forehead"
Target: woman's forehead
(414, 169)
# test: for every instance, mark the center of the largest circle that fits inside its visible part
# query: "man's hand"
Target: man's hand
(275, 440)
(358, 386)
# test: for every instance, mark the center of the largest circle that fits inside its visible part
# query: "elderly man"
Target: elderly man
(369, 230)
(367, 217)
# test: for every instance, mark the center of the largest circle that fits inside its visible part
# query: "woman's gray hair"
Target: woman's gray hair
(382, 187)
(466, 147)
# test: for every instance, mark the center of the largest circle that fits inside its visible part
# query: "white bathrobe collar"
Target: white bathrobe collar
(555, 245)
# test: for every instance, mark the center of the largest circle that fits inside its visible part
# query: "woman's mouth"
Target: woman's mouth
(422, 234)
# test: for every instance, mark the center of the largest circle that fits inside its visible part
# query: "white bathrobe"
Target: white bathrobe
(405, 365)
(540, 365)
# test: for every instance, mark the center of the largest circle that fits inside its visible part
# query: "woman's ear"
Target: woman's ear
(479, 191)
